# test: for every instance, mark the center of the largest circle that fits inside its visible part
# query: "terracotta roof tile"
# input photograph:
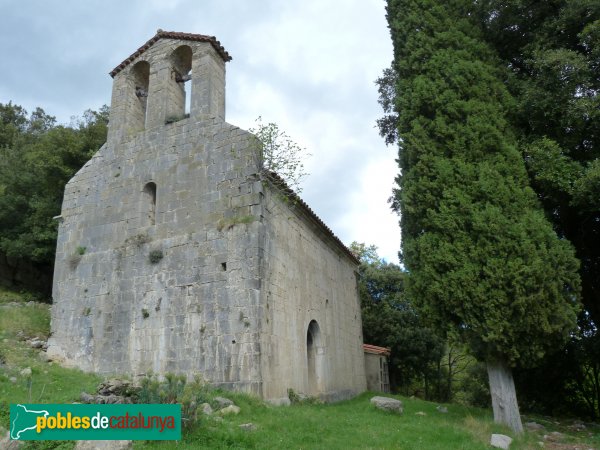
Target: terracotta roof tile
(160, 34)
(287, 191)
(368, 348)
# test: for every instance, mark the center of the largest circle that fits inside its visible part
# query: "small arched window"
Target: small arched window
(149, 203)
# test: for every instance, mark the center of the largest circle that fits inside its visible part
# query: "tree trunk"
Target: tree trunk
(504, 397)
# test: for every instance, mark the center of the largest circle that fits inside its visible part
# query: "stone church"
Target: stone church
(178, 253)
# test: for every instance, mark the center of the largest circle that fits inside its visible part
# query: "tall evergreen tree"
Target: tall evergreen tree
(480, 253)
(552, 50)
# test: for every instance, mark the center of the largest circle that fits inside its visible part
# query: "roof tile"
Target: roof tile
(160, 34)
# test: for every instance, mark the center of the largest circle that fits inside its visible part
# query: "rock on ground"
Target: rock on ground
(7, 444)
(500, 441)
(223, 402)
(248, 426)
(231, 409)
(206, 409)
(534, 426)
(103, 445)
(388, 404)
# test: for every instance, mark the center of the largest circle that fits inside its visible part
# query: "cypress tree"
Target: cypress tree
(481, 256)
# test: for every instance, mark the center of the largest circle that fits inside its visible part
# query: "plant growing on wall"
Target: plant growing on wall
(278, 153)
(155, 256)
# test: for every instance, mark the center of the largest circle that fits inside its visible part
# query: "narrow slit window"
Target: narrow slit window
(150, 203)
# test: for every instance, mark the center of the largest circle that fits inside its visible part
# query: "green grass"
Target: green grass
(49, 382)
(345, 425)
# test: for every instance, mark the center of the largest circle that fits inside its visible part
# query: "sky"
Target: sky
(307, 65)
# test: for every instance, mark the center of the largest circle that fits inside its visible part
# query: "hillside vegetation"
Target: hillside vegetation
(350, 424)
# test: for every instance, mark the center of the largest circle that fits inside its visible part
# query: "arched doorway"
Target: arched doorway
(314, 358)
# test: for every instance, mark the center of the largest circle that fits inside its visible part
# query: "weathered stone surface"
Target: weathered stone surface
(554, 436)
(534, 426)
(176, 254)
(206, 409)
(500, 441)
(248, 426)
(87, 398)
(37, 343)
(388, 404)
(231, 409)
(7, 444)
(103, 445)
(222, 402)
(442, 409)
(109, 399)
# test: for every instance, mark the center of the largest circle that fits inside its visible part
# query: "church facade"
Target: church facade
(178, 253)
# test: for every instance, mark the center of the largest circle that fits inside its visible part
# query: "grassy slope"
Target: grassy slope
(350, 424)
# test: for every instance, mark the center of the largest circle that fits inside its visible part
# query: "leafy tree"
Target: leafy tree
(280, 154)
(480, 254)
(37, 158)
(390, 320)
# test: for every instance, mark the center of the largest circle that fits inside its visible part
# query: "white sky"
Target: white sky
(308, 66)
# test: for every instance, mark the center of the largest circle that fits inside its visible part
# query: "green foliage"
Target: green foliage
(81, 250)
(480, 255)
(37, 158)
(552, 50)
(391, 320)
(155, 256)
(48, 383)
(175, 389)
(278, 153)
(342, 425)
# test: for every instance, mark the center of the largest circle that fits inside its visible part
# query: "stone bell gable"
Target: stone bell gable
(178, 253)
(150, 87)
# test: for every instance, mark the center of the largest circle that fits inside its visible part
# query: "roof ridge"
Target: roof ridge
(161, 34)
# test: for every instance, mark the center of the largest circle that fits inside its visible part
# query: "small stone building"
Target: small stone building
(178, 253)
(376, 368)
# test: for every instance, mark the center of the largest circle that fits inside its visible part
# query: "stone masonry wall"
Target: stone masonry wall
(308, 278)
(197, 308)
(174, 256)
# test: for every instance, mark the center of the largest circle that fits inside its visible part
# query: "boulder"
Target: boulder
(115, 386)
(442, 409)
(500, 441)
(87, 398)
(222, 402)
(534, 426)
(555, 436)
(36, 343)
(206, 409)
(388, 404)
(231, 409)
